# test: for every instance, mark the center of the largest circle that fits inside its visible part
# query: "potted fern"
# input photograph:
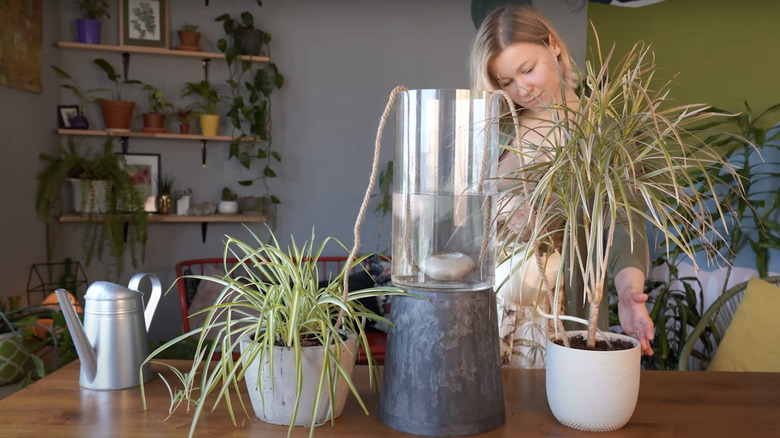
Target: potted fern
(189, 37)
(298, 336)
(622, 155)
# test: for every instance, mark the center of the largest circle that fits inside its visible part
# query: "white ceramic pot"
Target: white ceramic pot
(594, 391)
(277, 401)
(227, 207)
(94, 190)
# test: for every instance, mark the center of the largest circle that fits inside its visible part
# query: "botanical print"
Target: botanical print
(21, 44)
(144, 20)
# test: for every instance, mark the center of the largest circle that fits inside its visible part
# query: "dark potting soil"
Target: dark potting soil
(579, 342)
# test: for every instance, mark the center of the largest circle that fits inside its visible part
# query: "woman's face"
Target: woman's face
(529, 73)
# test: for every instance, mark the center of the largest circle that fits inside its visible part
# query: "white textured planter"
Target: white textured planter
(594, 391)
(96, 188)
(227, 207)
(278, 401)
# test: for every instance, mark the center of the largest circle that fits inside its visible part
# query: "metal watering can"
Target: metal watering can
(112, 344)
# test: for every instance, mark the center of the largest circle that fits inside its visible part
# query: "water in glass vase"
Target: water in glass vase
(443, 241)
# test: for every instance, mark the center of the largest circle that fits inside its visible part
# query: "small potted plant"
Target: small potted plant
(164, 190)
(209, 120)
(154, 120)
(229, 202)
(298, 336)
(189, 37)
(88, 28)
(184, 116)
(246, 37)
(117, 113)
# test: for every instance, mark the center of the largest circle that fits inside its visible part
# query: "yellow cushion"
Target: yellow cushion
(750, 340)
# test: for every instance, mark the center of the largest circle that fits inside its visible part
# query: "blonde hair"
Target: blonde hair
(511, 24)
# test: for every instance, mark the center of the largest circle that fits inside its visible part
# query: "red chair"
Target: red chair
(327, 266)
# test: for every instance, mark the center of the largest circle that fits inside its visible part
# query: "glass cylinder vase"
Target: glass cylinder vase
(444, 189)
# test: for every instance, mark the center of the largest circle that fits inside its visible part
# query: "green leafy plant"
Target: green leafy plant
(187, 27)
(165, 184)
(157, 100)
(250, 105)
(84, 97)
(622, 155)
(185, 114)
(94, 9)
(208, 94)
(228, 195)
(114, 77)
(272, 298)
(123, 203)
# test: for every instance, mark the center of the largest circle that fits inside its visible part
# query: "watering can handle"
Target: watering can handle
(153, 300)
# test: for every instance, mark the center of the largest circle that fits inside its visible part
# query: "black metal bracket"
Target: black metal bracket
(125, 231)
(206, 62)
(203, 152)
(204, 226)
(125, 142)
(126, 65)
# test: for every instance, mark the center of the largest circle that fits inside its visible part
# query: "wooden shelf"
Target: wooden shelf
(172, 218)
(153, 51)
(158, 135)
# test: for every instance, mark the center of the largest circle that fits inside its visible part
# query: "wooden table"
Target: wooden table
(671, 404)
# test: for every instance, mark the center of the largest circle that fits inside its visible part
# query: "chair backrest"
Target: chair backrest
(712, 326)
(328, 267)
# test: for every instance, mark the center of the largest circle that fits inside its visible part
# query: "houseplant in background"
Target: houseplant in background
(80, 120)
(189, 37)
(184, 116)
(250, 100)
(298, 337)
(108, 206)
(209, 96)
(117, 113)
(154, 119)
(229, 202)
(88, 28)
(627, 156)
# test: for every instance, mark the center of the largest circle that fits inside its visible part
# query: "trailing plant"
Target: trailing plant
(272, 297)
(157, 100)
(250, 106)
(123, 203)
(114, 77)
(209, 95)
(620, 156)
(94, 9)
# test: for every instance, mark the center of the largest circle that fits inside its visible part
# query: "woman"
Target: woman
(518, 50)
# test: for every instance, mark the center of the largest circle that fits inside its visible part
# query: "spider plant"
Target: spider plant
(273, 298)
(623, 155)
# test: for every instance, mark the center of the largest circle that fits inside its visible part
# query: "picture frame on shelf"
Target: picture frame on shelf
(65, 113)
(144, 23)
(144, 170)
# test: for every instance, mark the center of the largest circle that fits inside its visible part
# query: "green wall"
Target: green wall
(725, 51)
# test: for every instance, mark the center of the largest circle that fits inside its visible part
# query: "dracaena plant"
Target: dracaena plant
(623, 155)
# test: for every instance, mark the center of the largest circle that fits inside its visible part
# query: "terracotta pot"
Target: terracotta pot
(189, 40)
(154, 122)
(117, 114)
(184, 128)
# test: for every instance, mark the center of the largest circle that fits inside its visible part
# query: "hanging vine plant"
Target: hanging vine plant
(250, 105)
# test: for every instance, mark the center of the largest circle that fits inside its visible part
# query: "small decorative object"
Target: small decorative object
(228, 204)
(144, 23)
(144, 169)
(88, 28)
(182, 198)
(66, 115)
(117, 113)
(209, 120)
(203, 209)
(189, 37)
(154, 120)
(164, 188)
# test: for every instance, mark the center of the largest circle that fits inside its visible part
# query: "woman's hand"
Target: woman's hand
(632, 311)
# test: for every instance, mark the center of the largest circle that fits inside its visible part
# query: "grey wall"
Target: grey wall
(341, 59)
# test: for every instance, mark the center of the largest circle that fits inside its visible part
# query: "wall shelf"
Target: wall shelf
(157, 135)
(153, 51)
(172, 218)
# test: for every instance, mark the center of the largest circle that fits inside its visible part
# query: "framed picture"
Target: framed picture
(144, 23)
(144, 169)
(65, 113)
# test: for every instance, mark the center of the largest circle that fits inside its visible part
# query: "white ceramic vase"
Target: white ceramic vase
(227, 207)
(277, 401)
(594, 391)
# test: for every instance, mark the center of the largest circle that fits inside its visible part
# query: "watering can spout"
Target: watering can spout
(83, 347)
